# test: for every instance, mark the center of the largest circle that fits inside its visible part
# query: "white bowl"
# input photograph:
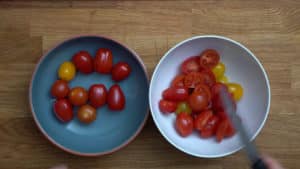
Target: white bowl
(241, 67)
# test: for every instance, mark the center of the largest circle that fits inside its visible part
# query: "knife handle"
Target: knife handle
(259, 164)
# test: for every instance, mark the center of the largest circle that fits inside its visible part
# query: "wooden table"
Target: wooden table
(271, 29)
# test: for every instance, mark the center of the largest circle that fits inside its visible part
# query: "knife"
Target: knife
(250, 149)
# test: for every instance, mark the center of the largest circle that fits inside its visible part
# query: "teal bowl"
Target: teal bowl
(111, 130)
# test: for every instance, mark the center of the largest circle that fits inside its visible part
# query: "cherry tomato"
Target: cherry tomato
(166, 106)
(103, 61)
(217, 88)
(230, 131)
(190, 65)
(191, 80)
(116, 99)
(63, 110)
(219, 70)
(223, 79)
(60, 89)
(209, 59)
(202, 119)
(210, 127)
(218, 104)
(178, 81)
(183, 107)
(66, 71)
(83, 61)
(120, 71)
(236, 90)
(203, 89)
(176, 94)
(184, 124)
(221, 130)
(78, 96)
(198, 102)
(97, 95)
(208, 77)
(86, 113)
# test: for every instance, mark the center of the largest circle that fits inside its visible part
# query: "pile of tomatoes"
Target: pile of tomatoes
(97, 95)
(194, 95)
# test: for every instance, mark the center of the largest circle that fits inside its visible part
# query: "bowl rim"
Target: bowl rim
(231, 41)
(49, 138)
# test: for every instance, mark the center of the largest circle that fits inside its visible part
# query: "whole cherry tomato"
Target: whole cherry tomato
(166, 106)
(210, 127)
(66, 71)
(184, 124)
(203, 89)
(202, 119)
(63, 110)
(116, 99)
(190, 65)
(78, 96)
(60, 89)
(236, 90)
(209, 59)
(219, 70)
(216, 99)
(120, 71)
(86, 113)
(97, 95)
(223, 79)
(198, 101)
(103, 61)
(176, 94)
(83, 61)
(178, 81)
(208, 77)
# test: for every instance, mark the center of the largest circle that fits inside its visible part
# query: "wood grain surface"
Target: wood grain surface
(271, 29)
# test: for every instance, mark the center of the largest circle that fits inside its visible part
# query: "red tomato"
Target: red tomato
(83, 62)
(120, 71)
(210, 127)
(198, 102)
(176, 93)
(221, 130)
(178, 81)
(209, 59)
(78, 96)
(192, 79)
(190, 65)
(209, 77)
(86, 114)
(97, 95)
(103, 62)
(60, 89)
(217, 102)
(63, 110)
(116, 99)
(166, 106)
(202, 119)
(230, 131)
(217, 88)
(203, 89)
(184, 124)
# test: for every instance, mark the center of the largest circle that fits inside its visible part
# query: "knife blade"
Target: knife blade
(250, 148)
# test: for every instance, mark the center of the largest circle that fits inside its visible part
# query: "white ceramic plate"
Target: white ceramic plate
(241, 67)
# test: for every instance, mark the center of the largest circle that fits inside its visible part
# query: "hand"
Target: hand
(271, 162)
(60, 167)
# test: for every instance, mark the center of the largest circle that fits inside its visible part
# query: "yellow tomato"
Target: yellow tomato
(223, 79)
(219, 70)
(236, 90)
(66, 71)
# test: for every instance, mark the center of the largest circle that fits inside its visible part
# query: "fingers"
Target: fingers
(60, 167)
(271, 163)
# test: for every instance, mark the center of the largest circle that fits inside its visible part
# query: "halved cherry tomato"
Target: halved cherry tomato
(221, 130)
(209, 59)
(230, 131)
(78, 96)
(183, 107)
(86, 114)
(191, 80)
(184, 124)
(120, 71)
(178, 81)
(60, 89)
(202, 88)
(210, 127)
(83, 61)
(103, 61)
(190, 65)
(208, 77)
(166, 106)
(97, 95)
(63, 110)
(236, 90)
(219, 70)
(176, 94)
(202, 119)
(116, 99)
(198, 102)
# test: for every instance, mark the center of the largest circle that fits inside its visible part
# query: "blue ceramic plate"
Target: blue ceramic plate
(111, 130)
